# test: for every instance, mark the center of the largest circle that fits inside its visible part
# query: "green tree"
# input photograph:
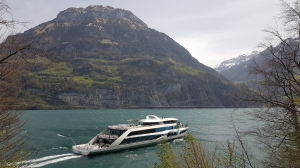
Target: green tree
(192, 155)
(167, 157)
(195, 155)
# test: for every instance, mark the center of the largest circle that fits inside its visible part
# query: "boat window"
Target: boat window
(106, 141)
(148, 131)
(171, 134)
(150, 123)
(167, 122)
(163, 129)
(170, 122)
(139, 139)
(116, 132)
(182, 131)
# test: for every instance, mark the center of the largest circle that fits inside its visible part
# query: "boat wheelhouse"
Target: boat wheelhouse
(138, 133)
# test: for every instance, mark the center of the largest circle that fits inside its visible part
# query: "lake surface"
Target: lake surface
(50, 145)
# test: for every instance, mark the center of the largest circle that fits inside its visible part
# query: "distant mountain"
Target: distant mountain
(109, 58)
(236, 69)
(227, 64)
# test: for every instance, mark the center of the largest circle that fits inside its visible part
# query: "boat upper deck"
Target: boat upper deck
(149, 121)
(123, 126)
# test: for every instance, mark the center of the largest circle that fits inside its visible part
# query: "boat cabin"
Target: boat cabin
(108, 136)
(113, 132)
(154, 120)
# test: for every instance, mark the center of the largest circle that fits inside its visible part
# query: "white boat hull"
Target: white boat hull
(86, 149)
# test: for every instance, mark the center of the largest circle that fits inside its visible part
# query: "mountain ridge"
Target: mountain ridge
(236, 69)
(109, 58)
(226, 64)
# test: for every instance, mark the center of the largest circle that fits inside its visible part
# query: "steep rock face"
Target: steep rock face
(109, 58)
(155, 86)
(167, 89)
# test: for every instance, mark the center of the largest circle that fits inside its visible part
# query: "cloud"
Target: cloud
(207, 50)
(212, 31)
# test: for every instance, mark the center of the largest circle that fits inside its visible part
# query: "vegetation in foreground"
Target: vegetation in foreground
(14, 53)
(195, 155)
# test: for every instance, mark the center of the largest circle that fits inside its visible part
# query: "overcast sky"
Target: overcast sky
(211, 30)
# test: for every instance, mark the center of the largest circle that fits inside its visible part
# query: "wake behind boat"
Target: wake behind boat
(151, 130)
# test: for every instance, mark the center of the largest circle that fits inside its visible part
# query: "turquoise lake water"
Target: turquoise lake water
(50, 145)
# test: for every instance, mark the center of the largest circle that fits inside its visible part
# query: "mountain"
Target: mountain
(227, 64)
(109, 58)
(236, 69)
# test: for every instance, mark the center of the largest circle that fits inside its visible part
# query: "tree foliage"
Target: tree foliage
(193, 154)
(167, 157)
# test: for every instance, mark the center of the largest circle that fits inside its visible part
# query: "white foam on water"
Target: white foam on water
(60, 135)
(55, 161)
(178, 140)
(46, 158)
(59, 147)
(131, 156)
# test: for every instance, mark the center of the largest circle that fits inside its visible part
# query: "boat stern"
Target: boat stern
(81, 149)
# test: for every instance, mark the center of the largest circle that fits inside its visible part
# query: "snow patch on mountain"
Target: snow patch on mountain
(225, 65)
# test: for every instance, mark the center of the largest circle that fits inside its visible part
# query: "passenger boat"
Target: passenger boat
(151, 130)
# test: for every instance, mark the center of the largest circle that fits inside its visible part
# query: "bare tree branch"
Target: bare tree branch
(277, 89)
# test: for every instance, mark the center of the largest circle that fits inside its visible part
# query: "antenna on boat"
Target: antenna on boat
(72, 139)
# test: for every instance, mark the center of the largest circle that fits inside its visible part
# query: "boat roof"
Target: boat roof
(122, 126)
(154, 118)
(149, 119)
